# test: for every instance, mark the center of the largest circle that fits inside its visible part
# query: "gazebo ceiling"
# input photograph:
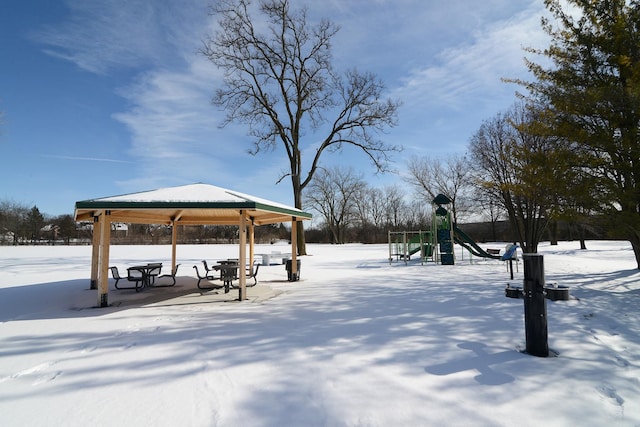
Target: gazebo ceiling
(193, 204)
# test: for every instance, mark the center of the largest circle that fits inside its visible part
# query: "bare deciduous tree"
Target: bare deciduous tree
(394, 206)
(333, 193)
(520, 169)
(450, 176)
(492, 210)
(371, 205)
(12, 220)
(279, 80)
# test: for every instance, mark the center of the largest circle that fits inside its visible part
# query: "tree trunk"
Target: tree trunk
(297, 197)
(335, 234)
(553, 232)
(635, 244)
(583, 243)
(302, 246)
(494, 234)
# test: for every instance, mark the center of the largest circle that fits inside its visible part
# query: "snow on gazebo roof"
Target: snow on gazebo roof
(188, 204)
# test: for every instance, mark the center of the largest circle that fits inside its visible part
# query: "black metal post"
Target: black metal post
(535, 307)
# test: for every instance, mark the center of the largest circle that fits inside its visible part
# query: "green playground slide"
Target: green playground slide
(467, 242)
(414, 245)
(413, 250)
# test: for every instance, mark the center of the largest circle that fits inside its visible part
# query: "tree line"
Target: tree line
(23, 225)
(567, 152)
(569, 149)
(349, 210)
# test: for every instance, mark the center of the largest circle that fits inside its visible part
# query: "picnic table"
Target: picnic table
(228, 272)
(147, 272)
(274, 257)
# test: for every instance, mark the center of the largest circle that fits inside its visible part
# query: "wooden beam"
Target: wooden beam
(195, 216)
(177, 216)
(196, 221)
(221, 218)
(140, 217)
(270, 218)
(84, 216)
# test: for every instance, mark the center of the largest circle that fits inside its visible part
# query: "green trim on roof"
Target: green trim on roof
(102, 204)
(169, 199)
(296, 213)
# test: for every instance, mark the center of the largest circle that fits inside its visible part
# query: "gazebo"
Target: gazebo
(194, 204)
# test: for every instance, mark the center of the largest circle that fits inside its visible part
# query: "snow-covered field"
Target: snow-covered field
(356, 342)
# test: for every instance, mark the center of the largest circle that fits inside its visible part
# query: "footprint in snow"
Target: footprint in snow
(130, 330)
(129, 345)
(610, 393)
(34, 371)
(85, 349)
(621, 361)
(47, 378)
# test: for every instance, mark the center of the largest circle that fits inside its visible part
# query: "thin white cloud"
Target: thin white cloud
(102, 36)
(175, 129)
(172, 123)
(85, 159)
(429, 53)
(472, 71)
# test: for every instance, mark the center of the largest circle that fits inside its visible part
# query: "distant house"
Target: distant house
(84, 226)
(50, 232)
(119, 226)
(50, 228)
(115, 226)
(7, 237)
(119, 229)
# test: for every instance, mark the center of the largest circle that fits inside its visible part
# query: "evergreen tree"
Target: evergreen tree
(34, 221)
(592, 92)
(67, 227)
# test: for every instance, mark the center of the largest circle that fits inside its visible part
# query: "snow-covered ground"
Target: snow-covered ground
(356, 342)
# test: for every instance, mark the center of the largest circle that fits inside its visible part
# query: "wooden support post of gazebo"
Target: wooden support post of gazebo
(242, 261)
(174, 243)
(251, 243)
(103, 267)
(294, 247)
(95, 251)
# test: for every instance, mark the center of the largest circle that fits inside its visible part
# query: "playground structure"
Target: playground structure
(437, 244)
(443, 226)
(404, 244)
(469, 244)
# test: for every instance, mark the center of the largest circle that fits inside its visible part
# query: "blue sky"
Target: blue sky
(106, 97)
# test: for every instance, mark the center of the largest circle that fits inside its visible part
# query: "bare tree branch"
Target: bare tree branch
(279, 80)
